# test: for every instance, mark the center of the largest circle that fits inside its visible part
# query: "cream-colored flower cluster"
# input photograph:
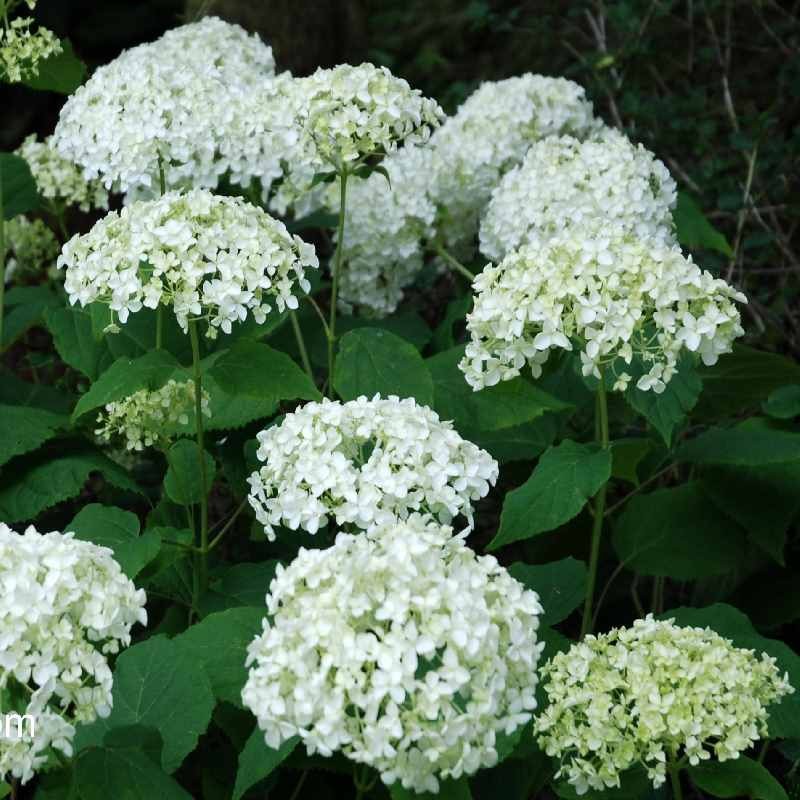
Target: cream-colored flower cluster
(365, 462)
(152, 418)
(208, 256)
(400, 648)
(189, 102)
(65, 605)
(563, 182)
(650, 694)
(59, 179)
(613, 296)
(23, 47)
(32, 247)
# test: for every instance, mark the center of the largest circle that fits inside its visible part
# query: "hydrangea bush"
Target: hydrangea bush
(403, 523)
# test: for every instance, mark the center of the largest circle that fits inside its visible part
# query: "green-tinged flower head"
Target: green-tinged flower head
(23, 47)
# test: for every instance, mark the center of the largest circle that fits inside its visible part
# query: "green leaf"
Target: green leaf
(183, 483)
(219, 644)
(25, 428)
(126, 376)
(739, 777)
(38, 483)
(626, 455)
(561, 586)
(450, 789)
(693, 229)
(257, 761)
(239, 585)
(784, 403)
(23, 316)
(14, 391)
(563, 481)
(373, 361)
(156, 684)
(669, 409)
(727, 621)
(63, 72)
(443, 337)
(17, 186)
(112, 527)
(520, 443)
(75, 343)
(126, 764)
(677, 533)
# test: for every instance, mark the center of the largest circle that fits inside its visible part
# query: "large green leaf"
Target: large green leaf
(25, 308)
(257, 761)
(677, 533)
(219, 644)
(63, 72)
(157, 684)
(563, 481)
(15, 391)
(17, 186)
(40, 481)
(737, 777)
(183, 481)
(373, 361)
(561, 586)
(126, 376)
(783, 403)
(25, 428)
(112, 527)
(626, 455)
(693, 229)
(239, 585)
(75, 342)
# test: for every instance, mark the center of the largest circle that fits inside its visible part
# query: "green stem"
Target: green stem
(675, 779)
(601, 426)
(218, 538)
(301, 345)
(299, 785)
(454, 263)
(337, 265)
(202, 571)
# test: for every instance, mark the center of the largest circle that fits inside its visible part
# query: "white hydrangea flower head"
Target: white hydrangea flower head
(65, 605)
(32, 247)
(609, 294)
(208, 256)
(23, 47)
(191, 100)
(152, 418)
(385, 230)
(60, 180)
(400, 648)
(563, 181)
(489, 134)
(365, 462)
(651, 693)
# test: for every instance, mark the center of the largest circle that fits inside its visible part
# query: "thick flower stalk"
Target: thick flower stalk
(65, 606)
(32, 247)
(400, 648)
(489, 134)
(187, 105)
(152, 419)
(365, 462)
(23, 45)
(59, 180)
(616, 298)
(207, 256)
(564, 182)
(654, 694)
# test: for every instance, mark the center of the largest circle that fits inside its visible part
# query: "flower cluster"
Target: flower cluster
(58, 179)
(652, 693)
(401, 648)
(609, 293)
(22, 48)
(188, 103)
(385, 229)
(152, 419)
(365, 462)
(562, 182)
(208, 256)
(64, 606)
(490, 134)
(31, 246)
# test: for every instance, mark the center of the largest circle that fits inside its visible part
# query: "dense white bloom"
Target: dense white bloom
(490, 134)
(59, 179)
(31, 245)
(64, 606)
(650, 693)
(22, 48)
(562, 182)
(365, 462)
(152, 419)
(208, 256)
(191, 99)
(400, 648)
(608, 293)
